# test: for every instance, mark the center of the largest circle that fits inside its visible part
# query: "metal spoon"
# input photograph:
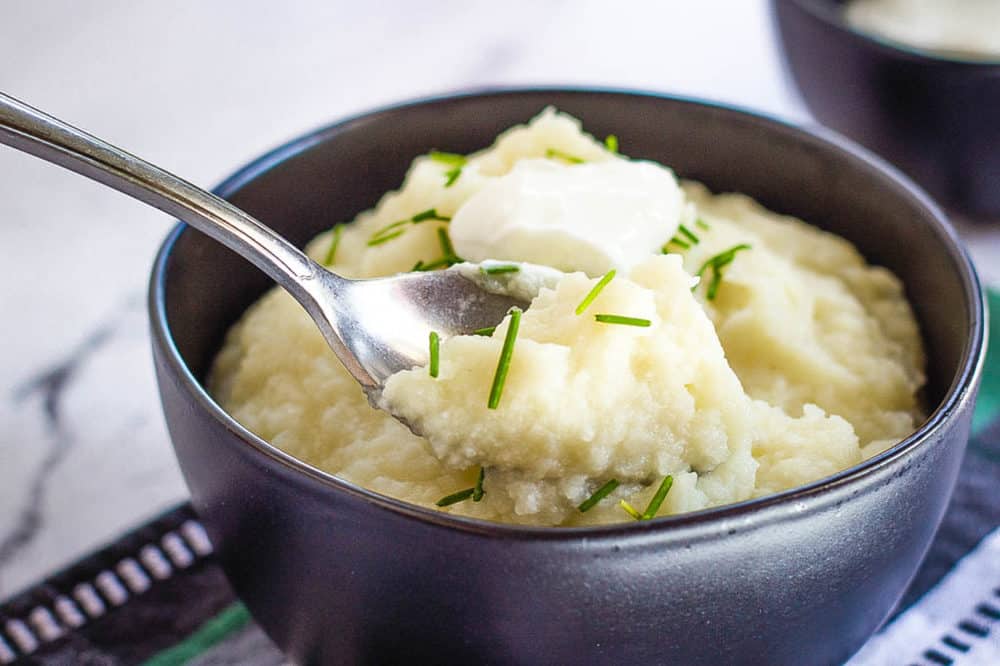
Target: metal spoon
(376, 327)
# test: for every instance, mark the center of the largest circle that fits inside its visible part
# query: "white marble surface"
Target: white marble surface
(200, 88)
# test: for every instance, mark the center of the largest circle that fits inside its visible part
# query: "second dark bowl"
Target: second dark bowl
(935, 117)
(338, 574)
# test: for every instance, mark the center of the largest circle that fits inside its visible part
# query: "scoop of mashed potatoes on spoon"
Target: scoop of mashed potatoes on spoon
(633, 386)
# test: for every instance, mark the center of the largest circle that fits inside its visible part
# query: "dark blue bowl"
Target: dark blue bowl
(338, 574)
(936, 117)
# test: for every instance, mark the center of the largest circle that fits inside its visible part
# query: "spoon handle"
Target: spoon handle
(39, 134)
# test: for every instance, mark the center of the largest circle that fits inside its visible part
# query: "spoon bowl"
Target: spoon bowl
(381, 326)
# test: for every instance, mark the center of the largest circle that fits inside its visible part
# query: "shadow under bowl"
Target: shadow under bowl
(338, 574)
(934, 116)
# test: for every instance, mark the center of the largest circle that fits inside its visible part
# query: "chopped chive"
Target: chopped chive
(478, 492)
(386, 233)
(331, 254)
(446, 247)
(702, 224)
(503, 365)
(455, 498)
(598, 495)
(726, 257)
(454, 159)
(429, 214)
(597, 289)
(451, 175)
(679, 242)
(552, 152)
(449, 258)
(485, 331)
(388, 228)
(629, 509)
(496, 270)
(688, 234)
(437, 263)
(717, 263)
(611, 143)
(625, 321)
(713, 285)
(383, 239)
(435, 343)
(661, 494)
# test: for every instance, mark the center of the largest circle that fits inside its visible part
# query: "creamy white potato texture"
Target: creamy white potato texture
(768, 353)
(965, 28)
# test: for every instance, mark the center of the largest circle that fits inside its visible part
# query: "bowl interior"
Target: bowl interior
(329, 176)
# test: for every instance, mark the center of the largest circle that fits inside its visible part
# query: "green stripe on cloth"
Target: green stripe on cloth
(988, 404)
(214, 631)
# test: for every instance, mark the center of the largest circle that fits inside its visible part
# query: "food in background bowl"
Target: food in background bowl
(957, 28)
(682, 350)
(932, 113)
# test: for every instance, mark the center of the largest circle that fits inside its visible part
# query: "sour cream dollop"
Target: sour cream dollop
(589, 217)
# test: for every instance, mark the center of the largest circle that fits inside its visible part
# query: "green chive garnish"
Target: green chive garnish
(455, 498)
(454, 159)
(702, 224)
(419, 266)
(390, 227)
(661, 494)
(383, 239)
(429, 214)
(447, 248)
(503, 365)
(496, 270)
(387, 232)
(451, 175)
(629, 509)
(688, 234)
(624, 321)
(597, 289)
(478, 492)
(552, 152)
(726, 257)
(717, 263)
(435, 343)
(331, 254)
(598, 495)
(611, 143)
(437, 263)
(488, 331)
(678, 242)
(387, 229)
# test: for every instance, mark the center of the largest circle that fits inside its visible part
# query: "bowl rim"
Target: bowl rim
(959, 392)
(824, 12)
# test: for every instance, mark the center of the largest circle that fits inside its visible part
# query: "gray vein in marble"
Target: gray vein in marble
(50, 385)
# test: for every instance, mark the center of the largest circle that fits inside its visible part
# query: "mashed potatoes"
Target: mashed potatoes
(965, 28)
(788, 360)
